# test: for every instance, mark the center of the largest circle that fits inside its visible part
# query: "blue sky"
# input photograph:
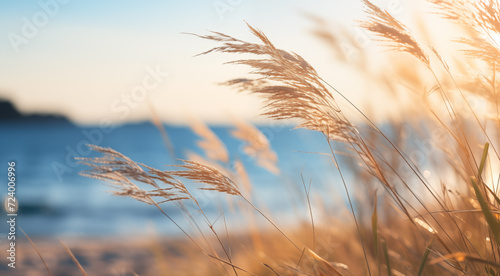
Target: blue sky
(91, 54)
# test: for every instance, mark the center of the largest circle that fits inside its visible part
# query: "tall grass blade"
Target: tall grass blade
(375, 226)
(483, 160)
(37, 252)
(375, 233)
(75, 260)
(485, 208)
(488, 214)
(424, 259)
(497, 199)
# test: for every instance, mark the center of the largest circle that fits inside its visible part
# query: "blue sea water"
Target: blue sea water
(55, 200)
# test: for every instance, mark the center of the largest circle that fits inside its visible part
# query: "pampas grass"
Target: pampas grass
(388, 28)
(401, 221)
(256, 146)
(210, 143)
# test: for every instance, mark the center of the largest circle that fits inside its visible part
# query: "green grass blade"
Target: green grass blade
(483, 160)
(485, 208)
(488, 215)
(386, 256)
(423, 262)
(490, 271)
(494, 195)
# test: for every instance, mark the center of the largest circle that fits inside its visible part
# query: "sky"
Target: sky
(90, 60)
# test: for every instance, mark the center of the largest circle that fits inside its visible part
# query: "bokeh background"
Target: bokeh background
(79, 72)
(74, 73)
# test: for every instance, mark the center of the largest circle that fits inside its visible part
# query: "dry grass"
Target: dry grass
(211, 144)
(256, 146)
(446, 225)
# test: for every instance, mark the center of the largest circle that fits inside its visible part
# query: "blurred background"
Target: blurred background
(87, 72)
(74, 73)
(90, 72)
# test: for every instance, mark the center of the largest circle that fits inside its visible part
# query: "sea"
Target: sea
(56, 201)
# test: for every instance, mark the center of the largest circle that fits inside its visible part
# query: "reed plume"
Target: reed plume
(256, 145)
(292, 89)
(389, 29)
(483, 18)
(208, 175)
(123, 173)
(210, 143)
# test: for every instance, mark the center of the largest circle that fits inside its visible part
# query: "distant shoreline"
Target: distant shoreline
(8, 112)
